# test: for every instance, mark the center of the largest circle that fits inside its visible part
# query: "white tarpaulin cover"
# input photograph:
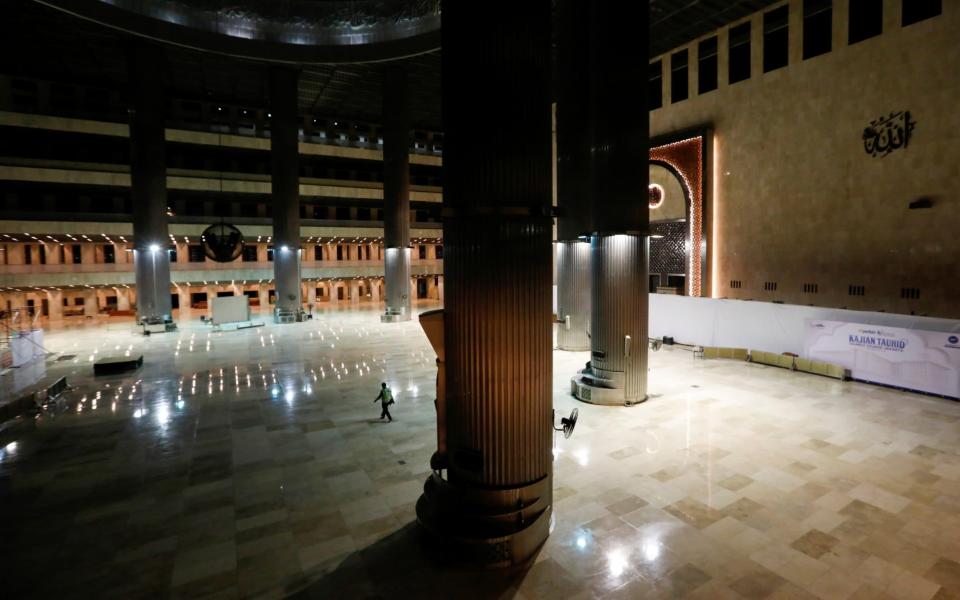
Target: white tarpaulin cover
(783, 328)
(26, 346)
(229, 309)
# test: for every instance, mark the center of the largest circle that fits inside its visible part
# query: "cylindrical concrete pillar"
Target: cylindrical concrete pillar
(335, 291)
(573, 295)
(263, 294)
(285, 177)
(18, 301)
(53, 254)
(148, 181)
(91, 306)
(495, 506)
(55, 305)
(396, 275)
(123, 300)
(574, 195)
(619, 142)
(396, 193)
(183, 294)
(619, 314)
(15, 254)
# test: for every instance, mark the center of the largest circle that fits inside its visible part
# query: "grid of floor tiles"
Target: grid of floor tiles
(252, 464)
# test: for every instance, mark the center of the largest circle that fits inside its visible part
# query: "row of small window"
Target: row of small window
(28, 95)
(69, 204)
(865, 22)
(814, 288)
(37, 254)
(195, 253)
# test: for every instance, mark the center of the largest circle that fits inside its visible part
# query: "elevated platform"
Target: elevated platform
(109, 365)
(588, 387)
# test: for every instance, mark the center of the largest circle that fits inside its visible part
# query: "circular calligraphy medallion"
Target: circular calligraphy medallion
(656, 195)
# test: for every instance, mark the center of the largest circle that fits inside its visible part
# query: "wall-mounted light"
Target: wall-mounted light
(284, 249)
(154, 248)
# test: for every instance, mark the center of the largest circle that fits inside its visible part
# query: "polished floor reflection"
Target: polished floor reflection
(252, 464)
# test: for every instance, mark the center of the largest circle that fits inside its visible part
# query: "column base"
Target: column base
(587, 386)
(151, 328)
(281, 315)
(488, 529)
(394, 318)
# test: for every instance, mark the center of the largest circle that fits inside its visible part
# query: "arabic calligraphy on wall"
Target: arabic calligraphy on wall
(886, 134)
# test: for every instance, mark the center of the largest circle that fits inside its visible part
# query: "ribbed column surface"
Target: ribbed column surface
(497, 242)
(396, 275)
(396, 159)
(498, 349)
(285, 179)
(619, 309)
(575, 125)
(396, 191)
(619, 136)
(148, 181)
(573, 295)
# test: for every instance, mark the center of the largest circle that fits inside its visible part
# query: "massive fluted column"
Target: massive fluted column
(396, 194)
(148, 181)
(285, 177)
(573, 294)
(574, 193)
(494, 507)
(617, 373)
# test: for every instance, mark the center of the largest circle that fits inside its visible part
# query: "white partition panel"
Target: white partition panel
(762, 325)
(229, 309)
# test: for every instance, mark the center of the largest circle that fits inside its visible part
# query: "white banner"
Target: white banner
(927, 361)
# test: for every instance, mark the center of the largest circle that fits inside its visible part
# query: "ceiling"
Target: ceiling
(37, 41)
(673, 23)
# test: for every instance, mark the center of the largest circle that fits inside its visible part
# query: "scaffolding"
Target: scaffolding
(8, 329)
(15, 323)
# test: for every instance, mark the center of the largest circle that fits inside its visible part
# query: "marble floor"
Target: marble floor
(252, 464)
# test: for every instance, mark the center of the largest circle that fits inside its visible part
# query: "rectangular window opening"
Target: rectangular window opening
(679, 76)
(195, 253)
(708, 66)
(865, 21)
(655, 85)
(776, 39)
(817, 27)
(739, 53)
(915, 11)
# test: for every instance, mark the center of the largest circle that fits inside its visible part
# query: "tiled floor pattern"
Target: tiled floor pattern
(252, 464)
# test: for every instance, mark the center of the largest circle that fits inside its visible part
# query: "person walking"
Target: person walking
(386, 399)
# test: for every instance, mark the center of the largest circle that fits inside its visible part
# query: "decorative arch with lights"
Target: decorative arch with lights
(686, 156)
